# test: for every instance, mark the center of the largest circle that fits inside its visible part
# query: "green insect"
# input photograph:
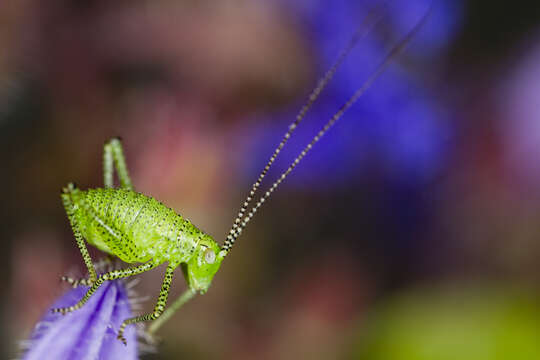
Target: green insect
(142, 231)
(137, 229)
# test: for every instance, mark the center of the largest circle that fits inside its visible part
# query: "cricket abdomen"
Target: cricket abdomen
(135, 227)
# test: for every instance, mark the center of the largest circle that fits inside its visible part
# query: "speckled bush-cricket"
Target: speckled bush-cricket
(145, 233)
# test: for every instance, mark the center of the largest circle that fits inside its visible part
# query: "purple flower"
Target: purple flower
(87, 333)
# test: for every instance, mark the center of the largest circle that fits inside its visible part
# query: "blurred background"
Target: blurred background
(411, 231)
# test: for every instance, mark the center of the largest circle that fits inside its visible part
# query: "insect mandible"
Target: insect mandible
(145, 233)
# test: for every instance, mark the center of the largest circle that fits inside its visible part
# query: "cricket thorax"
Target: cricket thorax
(135, 227)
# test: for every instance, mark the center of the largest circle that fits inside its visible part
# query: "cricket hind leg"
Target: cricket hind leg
(75, 225)
(71, 199)
(110, 275)
(113, 156)
(160, 304)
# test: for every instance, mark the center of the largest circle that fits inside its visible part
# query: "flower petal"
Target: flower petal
(89, 332)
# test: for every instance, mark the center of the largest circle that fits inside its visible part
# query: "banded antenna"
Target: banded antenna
(241, 221)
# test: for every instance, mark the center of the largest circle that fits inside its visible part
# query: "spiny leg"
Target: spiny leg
(72, 216)
(101, 265)
(111, 275)
(75, 282)
(177, 304)
(108, 165)
(114, 155)
(158, 309)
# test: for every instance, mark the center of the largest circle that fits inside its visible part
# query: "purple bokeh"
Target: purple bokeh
(397, 124)
(520, 124)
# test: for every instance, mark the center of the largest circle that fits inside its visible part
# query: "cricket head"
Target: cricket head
(203, 265)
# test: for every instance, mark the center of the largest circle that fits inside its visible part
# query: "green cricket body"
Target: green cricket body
(137, 229)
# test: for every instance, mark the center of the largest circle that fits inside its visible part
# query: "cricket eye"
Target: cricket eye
(209, 256)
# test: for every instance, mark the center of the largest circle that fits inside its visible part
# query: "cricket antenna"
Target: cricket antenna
(241, 221)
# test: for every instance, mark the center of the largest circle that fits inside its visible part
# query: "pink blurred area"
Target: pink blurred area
(317, 269)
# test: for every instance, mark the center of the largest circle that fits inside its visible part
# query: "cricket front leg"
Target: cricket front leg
(158, 312)
(177, 304)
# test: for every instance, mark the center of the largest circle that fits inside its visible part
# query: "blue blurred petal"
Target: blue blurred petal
(86, 333)
(397, 124)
